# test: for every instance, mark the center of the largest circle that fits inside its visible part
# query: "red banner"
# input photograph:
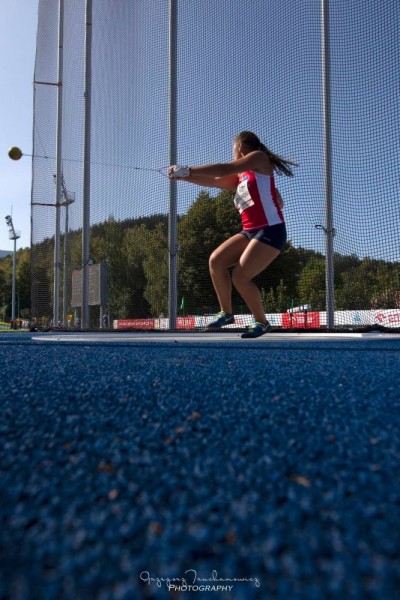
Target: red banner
(185, 322)
(135, 324)
(301, 320)
(388, 318)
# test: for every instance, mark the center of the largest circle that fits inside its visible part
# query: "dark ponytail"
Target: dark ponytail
(282, 166)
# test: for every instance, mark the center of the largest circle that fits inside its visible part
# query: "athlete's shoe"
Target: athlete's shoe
(256, 330)
(221, 319)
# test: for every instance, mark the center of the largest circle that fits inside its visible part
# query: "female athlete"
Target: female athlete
(263, 237)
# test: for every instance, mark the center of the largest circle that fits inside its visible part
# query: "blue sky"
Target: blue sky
(252, 69)
(18, 24)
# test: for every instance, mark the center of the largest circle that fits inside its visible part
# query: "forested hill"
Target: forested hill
(137, 254)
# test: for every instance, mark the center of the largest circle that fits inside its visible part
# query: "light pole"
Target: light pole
(13, 235)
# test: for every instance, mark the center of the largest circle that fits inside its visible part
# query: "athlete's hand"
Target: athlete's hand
(178, 172)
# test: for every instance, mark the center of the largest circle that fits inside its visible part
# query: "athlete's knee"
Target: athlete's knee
(215, 262)
(239, 276)
(212, 262)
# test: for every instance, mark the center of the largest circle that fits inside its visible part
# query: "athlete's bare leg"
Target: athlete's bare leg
(254, 259)
(223, 258)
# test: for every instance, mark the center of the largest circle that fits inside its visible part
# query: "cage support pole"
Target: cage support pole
(329, 229)
(86, 169)
(172, 214)
(56, 283)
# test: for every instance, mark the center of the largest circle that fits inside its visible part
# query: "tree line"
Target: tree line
(137, 254)
(22, 277)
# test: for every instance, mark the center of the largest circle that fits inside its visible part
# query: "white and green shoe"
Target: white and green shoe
(221, 319)
(257, 329)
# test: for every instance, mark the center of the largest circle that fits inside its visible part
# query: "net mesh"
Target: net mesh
(255, 66)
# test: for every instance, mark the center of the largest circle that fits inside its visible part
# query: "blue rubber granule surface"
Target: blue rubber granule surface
(276, 464)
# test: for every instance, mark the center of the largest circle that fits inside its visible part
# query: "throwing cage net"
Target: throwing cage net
(121, 87)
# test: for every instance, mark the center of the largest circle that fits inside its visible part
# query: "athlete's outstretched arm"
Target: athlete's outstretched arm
(224, 175)
(250, 162)
(228, 182)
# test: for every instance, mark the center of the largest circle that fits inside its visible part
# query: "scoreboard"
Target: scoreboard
(97, 286)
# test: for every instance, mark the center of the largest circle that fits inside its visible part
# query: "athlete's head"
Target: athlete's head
(247, 141)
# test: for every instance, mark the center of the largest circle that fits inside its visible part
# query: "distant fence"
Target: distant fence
(301, 320)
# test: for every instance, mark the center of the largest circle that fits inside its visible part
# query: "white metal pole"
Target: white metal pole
(86, 173)
(13, 281)
(172, 218)
(56, 294)
(329, 229)
(65, 269)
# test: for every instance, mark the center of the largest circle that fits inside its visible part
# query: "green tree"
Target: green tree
(156, 269)
(136, 251)
(23, 281)
(146, 253)
(108, 245)
(311, 284)
(208, 223)
(276, 299)
(367, 283)
(5, 287)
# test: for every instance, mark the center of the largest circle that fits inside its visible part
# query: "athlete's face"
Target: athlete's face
(237, 150)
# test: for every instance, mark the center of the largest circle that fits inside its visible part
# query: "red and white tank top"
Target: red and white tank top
(257, 202)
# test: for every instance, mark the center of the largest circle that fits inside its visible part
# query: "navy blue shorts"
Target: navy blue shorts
(273, 235)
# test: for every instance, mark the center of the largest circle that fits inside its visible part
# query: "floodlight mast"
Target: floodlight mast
(13, 235)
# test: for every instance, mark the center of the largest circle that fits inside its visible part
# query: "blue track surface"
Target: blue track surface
(274, 463)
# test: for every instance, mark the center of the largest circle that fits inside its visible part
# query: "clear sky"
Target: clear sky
(18, 25)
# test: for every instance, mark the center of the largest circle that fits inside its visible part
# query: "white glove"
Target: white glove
(179, 171)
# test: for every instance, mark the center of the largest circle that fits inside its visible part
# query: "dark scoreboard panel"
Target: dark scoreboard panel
(97, 286)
